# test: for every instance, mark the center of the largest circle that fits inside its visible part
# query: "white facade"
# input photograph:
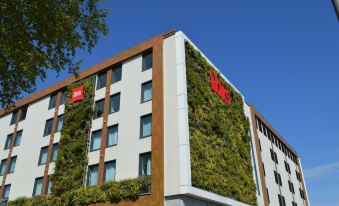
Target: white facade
(178, 188)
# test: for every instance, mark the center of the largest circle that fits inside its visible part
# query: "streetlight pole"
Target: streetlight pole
(336, 7)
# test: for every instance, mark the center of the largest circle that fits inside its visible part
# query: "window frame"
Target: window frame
(112, 126)
(95, 108)
(52, 104)
(115, 167)
(15, 144)
(57, 125)
(144, 56)
(49, 133)
(14, 117)
(116, 67)
(40, 155)
(10, 164)
(88, 174)
(98, 80)
(91, 140)
(9, 139)
(110, 102)
(140, 165)
(35, 186)
(141, 126)
(52, 154)
(142, 91)
(3, 163)
(4, 192)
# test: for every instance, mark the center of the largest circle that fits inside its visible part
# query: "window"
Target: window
(147, 61)
(12, 164)
(114, 103)
(268, 195)
(259, 144)
(49, 186)
(277, 178)
(291, 186)
(14, 117)
(43, 155)
(274, 156)
(146, 91)
(116, 73)
(109, 172)
(101, 80)
(297, 175)
(8, 141)
(145, 166)
(18, 138)
(7, 189)
(112, 136)
(146, 126)
(302, 194)
(48, 127)
(37, 186)
(92, 176)
(281, 200)
(263, 167)
(59, 123)
(3, 166)
(280, 182)
(63, 97)
(294, 203)
(95, 140)
(23, 114)
(287, 167)
(52, 101)
(98, 108)
(55, 152)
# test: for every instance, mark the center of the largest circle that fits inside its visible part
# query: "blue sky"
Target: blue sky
(282, 55)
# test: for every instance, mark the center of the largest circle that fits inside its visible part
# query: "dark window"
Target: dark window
(101, 80)
(260, 126)
(263, 167)
(259, 144)
(114, 103)
(116, 73)
(55, 152)
(145, 166)
(60, 123)
(272, 155)
(3, 166)
(49, 186)
(287, 167)
(48, 127)
(302, 194)
(5, 194)
(268, 195)
(98, 108)
(63, 97)
(146, 91)
(37, 186)
(291, 186)
(146, 126)
(8, 141)
(294, 203)
(18, 137)
(280, 182)
(109, 171)
(92, 176)
(43, 155)
(112, 136)
(14, 117)
(281, 200)
(147, 61)
(276, 177)
(23, 114)
(276, 157)
(265, 130)
(95, 140)
(12, 164)
(52, 101)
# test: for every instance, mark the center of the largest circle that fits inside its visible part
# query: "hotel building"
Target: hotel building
(160, 109)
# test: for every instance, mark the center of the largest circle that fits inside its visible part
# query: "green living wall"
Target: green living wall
(220, 145)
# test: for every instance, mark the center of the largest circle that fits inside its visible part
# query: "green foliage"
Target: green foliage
(112, 192)
(220, 145)
(41, 35)
(70, 169)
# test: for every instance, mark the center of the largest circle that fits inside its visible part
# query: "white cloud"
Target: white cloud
(322, 170)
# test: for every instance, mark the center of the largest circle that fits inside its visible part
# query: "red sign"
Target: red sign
(219, 88)
(78, 94)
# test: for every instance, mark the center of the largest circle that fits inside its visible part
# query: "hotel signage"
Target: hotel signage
(77, 94)
(219, 88)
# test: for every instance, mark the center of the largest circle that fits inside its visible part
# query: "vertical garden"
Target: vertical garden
(219, 142)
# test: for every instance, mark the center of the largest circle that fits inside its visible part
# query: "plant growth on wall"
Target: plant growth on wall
(219, 142)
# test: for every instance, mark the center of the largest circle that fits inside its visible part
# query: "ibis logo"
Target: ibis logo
(219, 88)
(77, 94)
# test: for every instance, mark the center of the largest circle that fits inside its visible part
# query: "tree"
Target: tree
(41, 35)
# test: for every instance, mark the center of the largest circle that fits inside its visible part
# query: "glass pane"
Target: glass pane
(60, 122)
(146, 91)
(43, 155)
(63, 97)
(55, 152)
(146, 126)
(112, 136)
(109, 171)
(18, 138)
(52, 101)
(48, 127)
(96, 140)
(12, 165)
(6, 191)
(101, 80)
(145, 166)
(37, 187)
(23, 114)
(116, 74)
(14, 116)
(114, 104)
(147, 61)
(99, 108)
(3, 166)
(92, 175)
(8, 141)
(49, 187)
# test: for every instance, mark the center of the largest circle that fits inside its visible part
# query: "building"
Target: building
(160, 109)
